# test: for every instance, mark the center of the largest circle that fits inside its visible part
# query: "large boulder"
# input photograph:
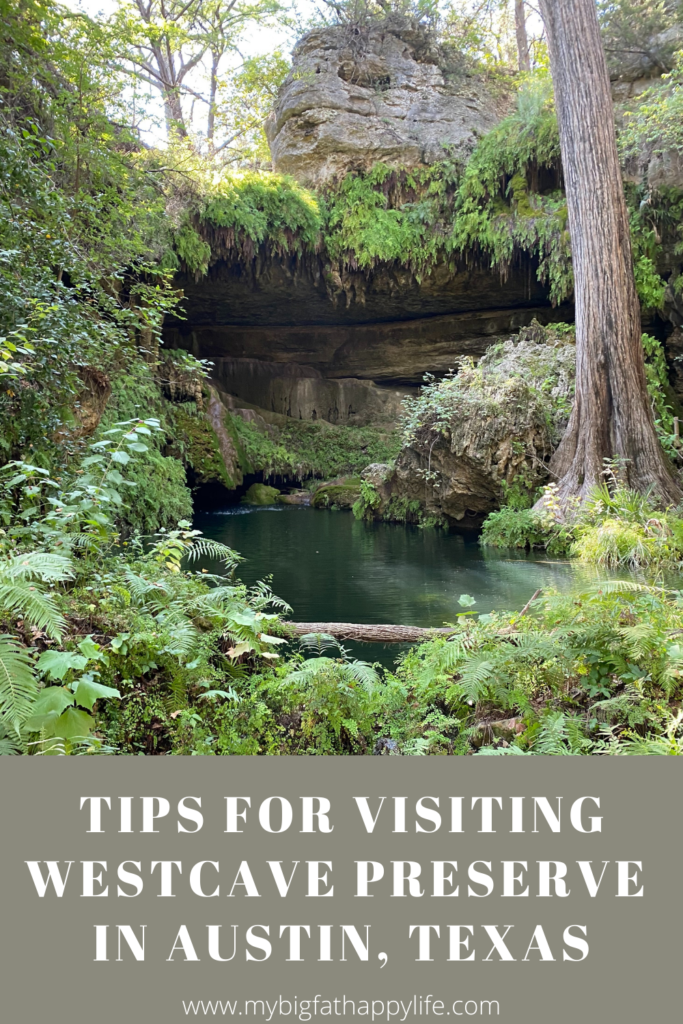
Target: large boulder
(357, 97)
(476, 434)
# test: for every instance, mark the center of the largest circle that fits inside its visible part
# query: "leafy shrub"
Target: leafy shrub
(614, 528)
(519, 528)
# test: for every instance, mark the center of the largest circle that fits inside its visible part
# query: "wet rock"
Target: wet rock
(340, 493)
(295, 498)
(302, 393)
(261, 494)
(215, 413)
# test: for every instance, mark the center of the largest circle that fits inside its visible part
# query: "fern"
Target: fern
(474, 675)
(260, 596)
(9, 743)
(182, 637)
(20, 592)
(18, 688)
(351, 673)
(38, 565)
(141, 588)
(218, 598)
(37, 608)
(319, 643)
(204, 547)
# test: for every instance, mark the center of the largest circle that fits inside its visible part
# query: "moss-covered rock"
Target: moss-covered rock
(479, 436)
(341, 493)
(261, 494)
(301, 450)
(198, 446)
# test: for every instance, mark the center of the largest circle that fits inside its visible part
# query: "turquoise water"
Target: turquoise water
(332, 568)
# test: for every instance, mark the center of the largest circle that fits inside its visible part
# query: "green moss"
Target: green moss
(199, 446)
(192, 250)
(247, 209)
(398, 509)
(261, 494)
(302, 449)
(368, 500)
(160, 497)
(337, 494)
(508, 199)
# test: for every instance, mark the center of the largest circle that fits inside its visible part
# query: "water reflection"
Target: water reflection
(332, 568)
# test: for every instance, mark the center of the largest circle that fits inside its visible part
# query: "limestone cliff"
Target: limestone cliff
(357, 97)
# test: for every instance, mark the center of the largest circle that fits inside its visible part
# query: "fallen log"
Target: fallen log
(378, 634)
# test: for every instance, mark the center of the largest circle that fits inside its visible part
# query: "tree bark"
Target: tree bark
(612, 415)
(523, 57)
(213, 93)
(383, 634)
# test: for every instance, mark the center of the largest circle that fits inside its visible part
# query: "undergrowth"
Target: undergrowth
(614, 528)
(302, 449)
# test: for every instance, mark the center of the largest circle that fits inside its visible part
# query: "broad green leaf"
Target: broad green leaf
(239, 649)
(137, 447)
(465, 601)
(91, 650)
(52, 698)
(87, 691)
(73, 723)
(244, 618)
(56, 664)
(271, 639)
(36, 723)
(123, 458)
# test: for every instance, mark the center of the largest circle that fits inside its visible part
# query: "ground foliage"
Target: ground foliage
(614, 528)
(301, 450)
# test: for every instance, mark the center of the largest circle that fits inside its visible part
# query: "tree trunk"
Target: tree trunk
(213, 92)
(383, 634)
(170, 90)
(523, 57)
(612, 415)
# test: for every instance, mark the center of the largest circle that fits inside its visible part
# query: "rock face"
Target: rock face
(301, 392)
(479, 431)
(396, 353)
(354, 98)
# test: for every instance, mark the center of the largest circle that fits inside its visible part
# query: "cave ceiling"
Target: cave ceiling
(285, 293)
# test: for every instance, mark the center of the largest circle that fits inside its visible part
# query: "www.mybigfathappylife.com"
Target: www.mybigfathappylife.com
(318, 1006)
